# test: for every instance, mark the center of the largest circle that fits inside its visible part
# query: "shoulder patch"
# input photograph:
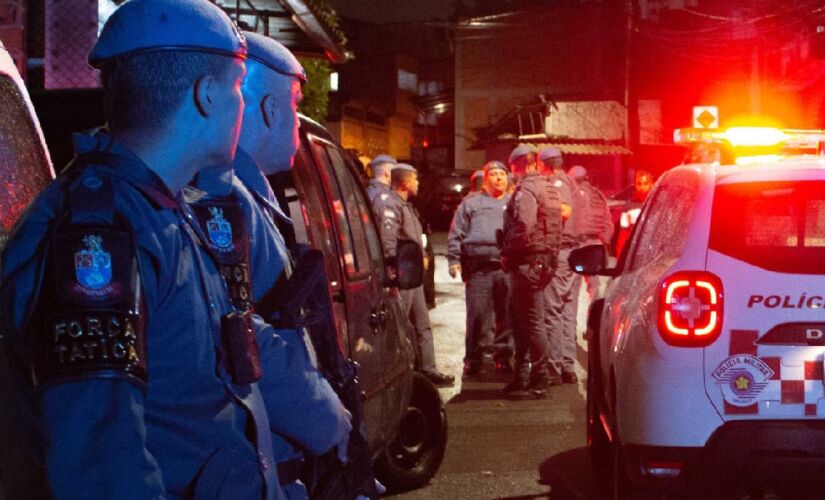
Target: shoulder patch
(389, 213)
(93, 326)
(384, 196)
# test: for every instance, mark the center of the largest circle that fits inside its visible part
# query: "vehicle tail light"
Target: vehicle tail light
(690, 308)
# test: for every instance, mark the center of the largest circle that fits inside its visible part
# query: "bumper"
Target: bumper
(786, 457)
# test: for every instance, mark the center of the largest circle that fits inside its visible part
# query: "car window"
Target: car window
(24, 166)
(779, 226)
(339, 212)
(664, 230)
(310, 217)
(356, 211)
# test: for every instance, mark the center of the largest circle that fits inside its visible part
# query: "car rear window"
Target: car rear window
(778, 226)
(24, 168)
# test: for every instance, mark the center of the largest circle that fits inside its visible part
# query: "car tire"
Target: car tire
(413, 457)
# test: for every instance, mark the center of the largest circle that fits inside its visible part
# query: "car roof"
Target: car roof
(775, 168)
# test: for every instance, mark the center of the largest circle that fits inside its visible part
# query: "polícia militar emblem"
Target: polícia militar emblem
(219, 229)
(742, 378)
(93, 265)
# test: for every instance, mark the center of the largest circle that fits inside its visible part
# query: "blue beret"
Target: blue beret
(383, 159)
(156, 25)
(273, 55)
(404, 166)
(577, 172)
(549, 152)
(495, 164)
(521, 150)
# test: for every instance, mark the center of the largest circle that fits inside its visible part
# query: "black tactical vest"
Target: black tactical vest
(544, 238)
(589, 217)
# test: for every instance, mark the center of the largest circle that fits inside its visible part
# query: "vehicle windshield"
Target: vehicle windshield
(778, 226)
(24, 168)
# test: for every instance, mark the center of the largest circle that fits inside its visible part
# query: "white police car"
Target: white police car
(705, 357)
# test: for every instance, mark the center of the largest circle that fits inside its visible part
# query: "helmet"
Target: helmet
(157, 25)
(274, 55)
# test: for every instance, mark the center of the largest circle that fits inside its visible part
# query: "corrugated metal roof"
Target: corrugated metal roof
(575, 148)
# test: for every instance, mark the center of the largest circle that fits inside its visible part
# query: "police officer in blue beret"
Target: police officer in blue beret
(141, 372)
(398, 221)
(561, 295)
(304, 411)
(379, 186)
(530, 242)
(472, 252)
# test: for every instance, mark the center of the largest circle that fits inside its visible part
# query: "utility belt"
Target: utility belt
(546, 260)
(470, 265)
(290, 471)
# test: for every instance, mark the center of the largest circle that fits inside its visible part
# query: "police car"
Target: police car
(705, 357)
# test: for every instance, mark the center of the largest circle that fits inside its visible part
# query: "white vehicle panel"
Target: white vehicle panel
(747, 380)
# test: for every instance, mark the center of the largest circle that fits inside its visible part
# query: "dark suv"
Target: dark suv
(406, 422)
(405, 418)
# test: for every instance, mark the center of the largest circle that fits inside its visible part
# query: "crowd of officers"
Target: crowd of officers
(129, 286)
(510, 243)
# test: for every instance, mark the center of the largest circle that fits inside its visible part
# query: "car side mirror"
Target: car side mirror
(590, 260)
(409, 264)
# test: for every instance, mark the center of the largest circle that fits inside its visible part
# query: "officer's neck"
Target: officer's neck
(403, 194)
(172, 161)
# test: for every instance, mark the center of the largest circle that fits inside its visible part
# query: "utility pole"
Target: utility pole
(631, 99)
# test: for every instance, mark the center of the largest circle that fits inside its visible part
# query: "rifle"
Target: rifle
(304, 301)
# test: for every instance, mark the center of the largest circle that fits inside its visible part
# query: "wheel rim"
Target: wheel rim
(411, 445)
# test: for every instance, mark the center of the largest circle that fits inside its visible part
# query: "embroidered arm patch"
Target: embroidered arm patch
(92, 310)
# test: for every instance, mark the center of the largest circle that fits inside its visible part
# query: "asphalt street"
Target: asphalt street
(500, 449)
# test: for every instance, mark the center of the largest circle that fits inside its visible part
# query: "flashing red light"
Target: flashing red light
(425, 143)
(690, 308)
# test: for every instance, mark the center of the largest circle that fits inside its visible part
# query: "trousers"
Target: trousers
(560, 316)
(415, 306)
(487, 293)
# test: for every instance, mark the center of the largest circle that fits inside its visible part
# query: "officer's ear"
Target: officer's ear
(268, 110)
(204, 97)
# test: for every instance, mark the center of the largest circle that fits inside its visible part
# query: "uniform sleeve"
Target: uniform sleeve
(96, 441)
(458, 230)
(389, 218)
(300, 403)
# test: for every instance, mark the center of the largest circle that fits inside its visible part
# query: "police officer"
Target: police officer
(398, 221)
(560, 308)
(476, 182)
(379, 186)
(473, 253)
(591, 220)
(303, 409)
(142, 373)
(529, 246)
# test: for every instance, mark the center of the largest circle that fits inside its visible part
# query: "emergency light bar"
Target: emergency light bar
(747, 141)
